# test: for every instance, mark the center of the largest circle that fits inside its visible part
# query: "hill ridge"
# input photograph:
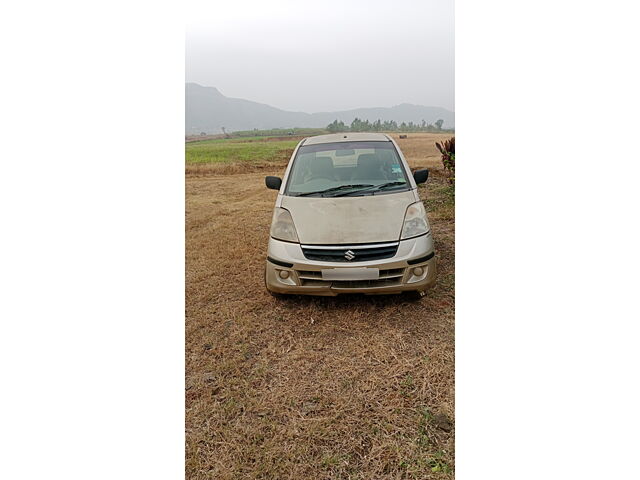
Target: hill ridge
(208, 110)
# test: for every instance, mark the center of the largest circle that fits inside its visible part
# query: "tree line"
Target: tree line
(359, 125)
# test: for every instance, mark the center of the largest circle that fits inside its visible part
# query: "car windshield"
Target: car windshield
(346, 169)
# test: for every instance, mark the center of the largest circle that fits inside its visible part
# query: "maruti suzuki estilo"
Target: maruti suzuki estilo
(348, 219)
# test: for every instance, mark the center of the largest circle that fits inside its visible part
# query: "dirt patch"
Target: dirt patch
(306, 387)
(194, 170)
(420, 148)
(200, 138)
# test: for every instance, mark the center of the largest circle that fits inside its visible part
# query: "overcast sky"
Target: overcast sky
(324, 56)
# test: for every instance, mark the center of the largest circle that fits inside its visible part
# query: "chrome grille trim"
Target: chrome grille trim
(350, 247)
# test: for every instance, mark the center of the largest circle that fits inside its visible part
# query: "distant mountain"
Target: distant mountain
(207, 110)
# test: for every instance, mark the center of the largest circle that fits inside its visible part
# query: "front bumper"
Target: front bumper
(396, 273)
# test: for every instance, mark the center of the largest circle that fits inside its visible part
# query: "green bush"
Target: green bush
(448, 151)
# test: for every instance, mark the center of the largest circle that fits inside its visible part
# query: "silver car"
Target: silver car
(348, 219)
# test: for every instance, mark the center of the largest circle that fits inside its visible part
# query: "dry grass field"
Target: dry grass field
(351, 387)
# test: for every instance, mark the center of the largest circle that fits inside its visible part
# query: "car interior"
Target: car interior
(377, 167)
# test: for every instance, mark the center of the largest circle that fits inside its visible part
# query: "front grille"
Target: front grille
(383, 282)
(350, 254)
(387, 278)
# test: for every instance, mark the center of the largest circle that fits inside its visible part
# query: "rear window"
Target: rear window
(336, 166)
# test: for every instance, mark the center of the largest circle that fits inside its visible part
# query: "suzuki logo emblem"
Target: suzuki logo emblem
(349, 255)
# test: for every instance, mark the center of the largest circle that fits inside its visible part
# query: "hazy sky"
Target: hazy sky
(324, 56)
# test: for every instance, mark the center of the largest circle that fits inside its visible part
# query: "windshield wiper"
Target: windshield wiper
(336, 189)
(373, 188)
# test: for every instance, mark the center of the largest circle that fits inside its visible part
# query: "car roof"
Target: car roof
(346, 137)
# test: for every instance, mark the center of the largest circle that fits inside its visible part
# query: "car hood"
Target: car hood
(344, 220)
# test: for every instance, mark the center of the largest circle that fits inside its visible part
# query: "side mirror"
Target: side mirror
(273, 183)
(420, 176)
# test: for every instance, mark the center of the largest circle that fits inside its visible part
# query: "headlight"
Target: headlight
(282, 227)
(415, 221)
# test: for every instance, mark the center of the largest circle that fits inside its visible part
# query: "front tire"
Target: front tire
(415, 295)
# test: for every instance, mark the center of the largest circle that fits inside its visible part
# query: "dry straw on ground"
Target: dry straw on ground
(303, 387)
